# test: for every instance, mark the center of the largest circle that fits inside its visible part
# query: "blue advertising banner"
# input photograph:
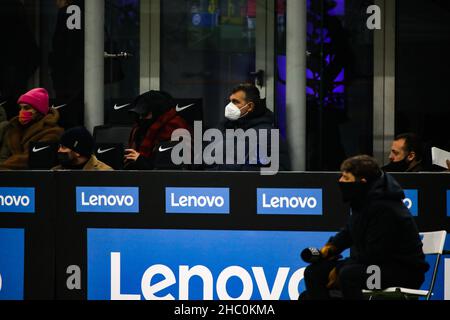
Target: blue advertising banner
(198, 200)
(412, 201)
(17, 200)
(12, 250)
(107, 199)
(290, 201)
(196, 264)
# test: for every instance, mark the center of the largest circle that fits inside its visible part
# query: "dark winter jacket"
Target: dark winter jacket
(263, 120)
(381, 229)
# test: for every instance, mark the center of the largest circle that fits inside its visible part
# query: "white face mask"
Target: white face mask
(232, 112)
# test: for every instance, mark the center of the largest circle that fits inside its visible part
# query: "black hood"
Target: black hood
(385, 188)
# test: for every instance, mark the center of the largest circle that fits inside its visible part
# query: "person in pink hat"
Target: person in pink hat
(36, 123)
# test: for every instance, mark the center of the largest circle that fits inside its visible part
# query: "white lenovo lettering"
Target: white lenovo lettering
(196, 201)
(107, 201)
(248, 279)
(12, 200)
(289, 202)
(408, 203)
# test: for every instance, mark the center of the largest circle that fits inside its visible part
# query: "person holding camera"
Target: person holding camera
(380, 232)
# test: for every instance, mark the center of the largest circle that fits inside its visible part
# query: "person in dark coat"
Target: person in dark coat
(247, 111)
(407, 154)
(156, 119)
(380, 232)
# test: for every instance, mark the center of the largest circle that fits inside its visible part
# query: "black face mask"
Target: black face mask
(142, 122)
(399, 166)
(64, 159)
(353, 191)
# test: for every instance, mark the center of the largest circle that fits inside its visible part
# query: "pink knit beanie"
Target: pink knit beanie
(37, 98)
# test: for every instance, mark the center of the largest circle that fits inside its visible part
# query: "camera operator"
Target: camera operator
(380, 231)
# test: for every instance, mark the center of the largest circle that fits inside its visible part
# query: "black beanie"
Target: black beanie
(78, 139)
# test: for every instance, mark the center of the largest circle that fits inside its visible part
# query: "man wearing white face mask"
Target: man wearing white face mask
(247, 111)
(239, 107)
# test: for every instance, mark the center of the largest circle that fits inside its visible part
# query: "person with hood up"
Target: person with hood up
(36, 123)
(156, 118)
(380, 232)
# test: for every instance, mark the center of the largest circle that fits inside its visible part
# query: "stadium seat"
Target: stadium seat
(190, 110)
(433, 245)
(111, 154)
(112, 134)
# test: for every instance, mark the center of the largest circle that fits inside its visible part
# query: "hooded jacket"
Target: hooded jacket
(14, 148)
(381, 230)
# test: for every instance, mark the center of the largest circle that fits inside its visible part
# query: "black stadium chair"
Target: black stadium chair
(190, 110)
(111, 154)
(162, 157)
(117, 112)
(70, 111)
(43, 155)
(112, 134)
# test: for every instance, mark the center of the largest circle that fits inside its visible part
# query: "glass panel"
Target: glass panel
(122, 44)
(207, 47)
(339, 80)
(43, 28)
(422, 79)
(62, 57)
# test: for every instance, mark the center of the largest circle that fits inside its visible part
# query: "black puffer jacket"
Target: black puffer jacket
(381, 229)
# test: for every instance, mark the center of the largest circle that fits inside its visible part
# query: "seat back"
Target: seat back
(111, 154)
(433, 242)
(43, 155)
(190, 110)
(112, 134)
(117, 112)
